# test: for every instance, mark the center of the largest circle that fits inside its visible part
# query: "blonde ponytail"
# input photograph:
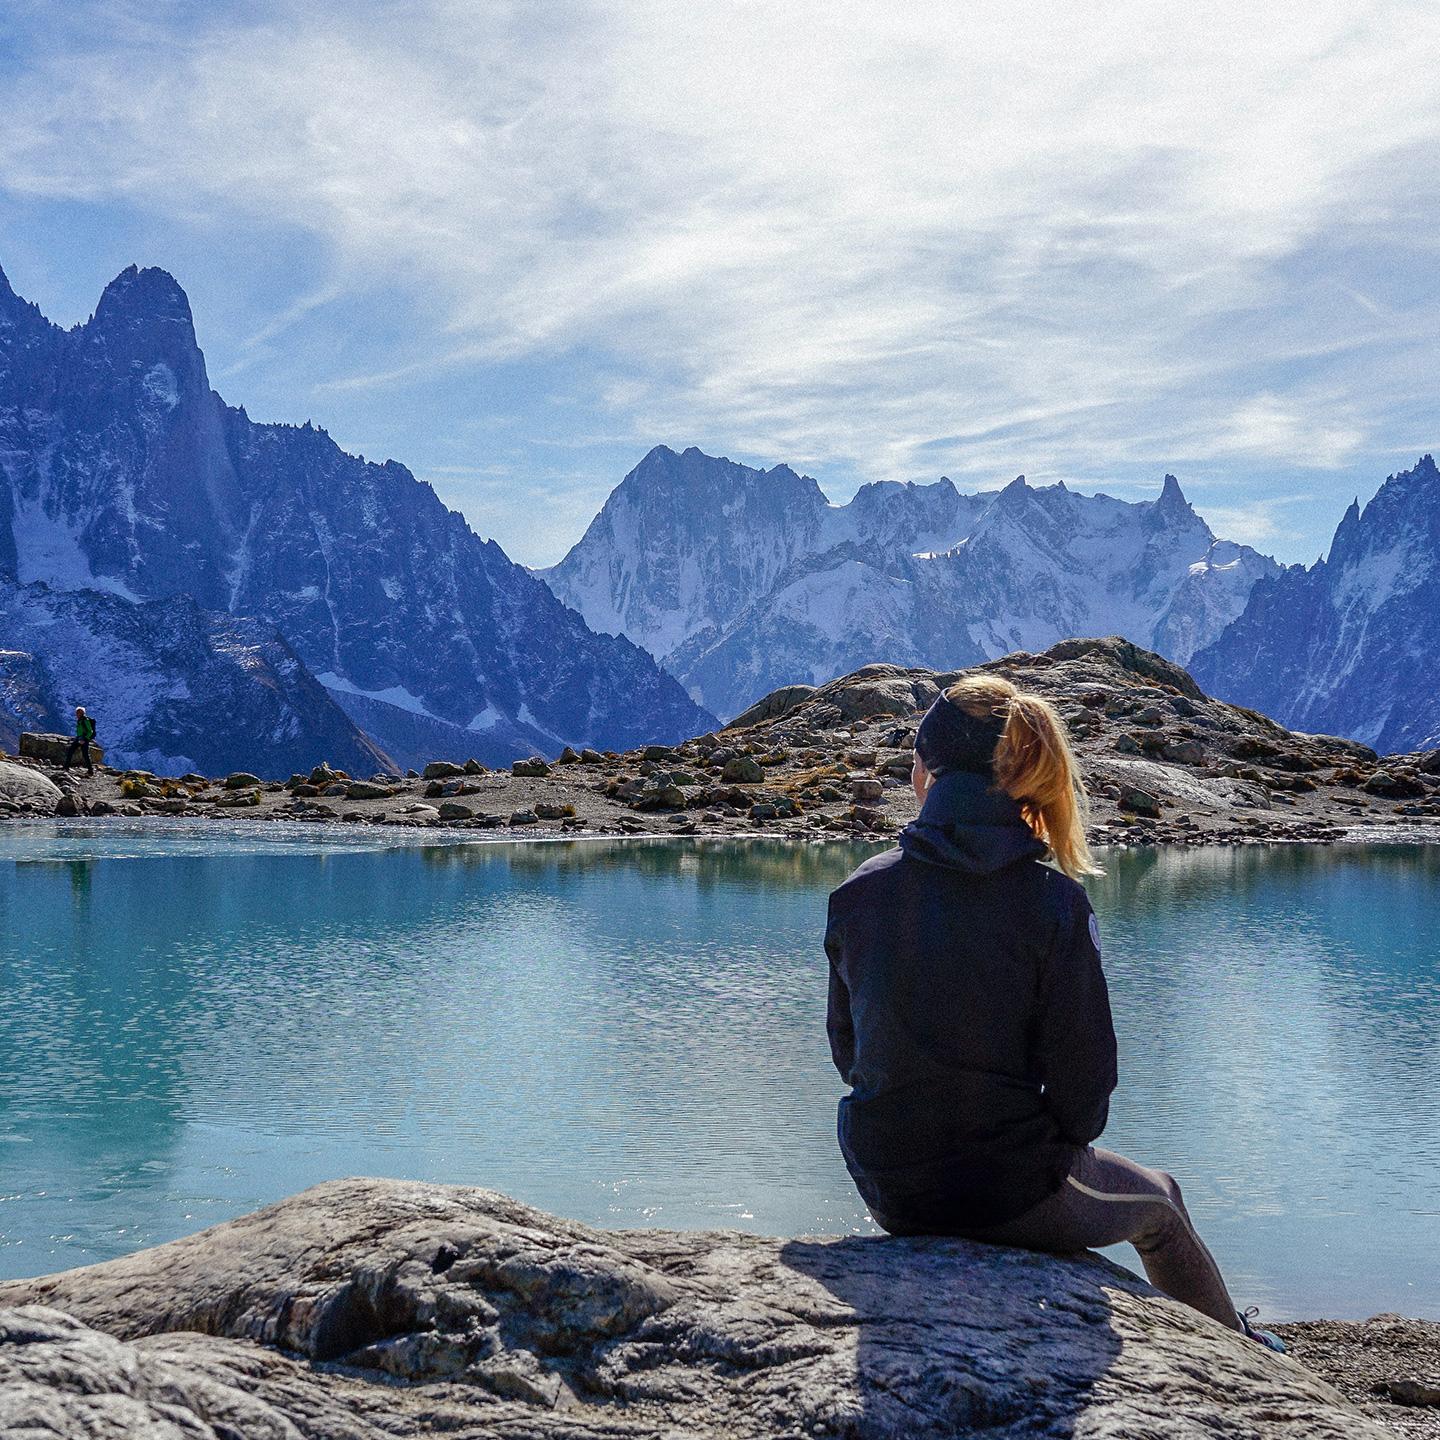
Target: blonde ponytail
(1035, 766)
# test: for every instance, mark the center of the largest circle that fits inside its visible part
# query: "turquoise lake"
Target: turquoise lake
(198, 1020)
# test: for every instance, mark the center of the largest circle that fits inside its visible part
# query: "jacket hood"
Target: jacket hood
(965, 824)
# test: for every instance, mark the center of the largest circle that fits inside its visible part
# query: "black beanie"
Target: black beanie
(950, 738)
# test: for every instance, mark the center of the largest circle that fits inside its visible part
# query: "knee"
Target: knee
(1170, 1187)
(1162, 1223)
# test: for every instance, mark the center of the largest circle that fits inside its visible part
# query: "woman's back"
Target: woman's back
(968, 1013)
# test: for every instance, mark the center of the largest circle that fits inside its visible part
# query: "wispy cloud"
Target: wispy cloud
(899, 239)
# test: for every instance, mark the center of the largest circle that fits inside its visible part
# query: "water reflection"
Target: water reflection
(633, 1033)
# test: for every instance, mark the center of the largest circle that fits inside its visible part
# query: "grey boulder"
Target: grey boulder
(370, 1308)
(27, 788)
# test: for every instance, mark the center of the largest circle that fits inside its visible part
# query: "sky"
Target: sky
(514, 245)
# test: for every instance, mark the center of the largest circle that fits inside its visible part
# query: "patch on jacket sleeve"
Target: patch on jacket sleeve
(1094, 932)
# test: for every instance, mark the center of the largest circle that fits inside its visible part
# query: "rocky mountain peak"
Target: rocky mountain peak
(143, 323)
(742, 580)
(1406, 508)
(1172, 498)
(14, 310)
(152, 296)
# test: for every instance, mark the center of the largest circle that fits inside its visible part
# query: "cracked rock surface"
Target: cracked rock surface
(369, 1308)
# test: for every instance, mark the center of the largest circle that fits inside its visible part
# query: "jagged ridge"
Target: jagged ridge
(741, 580)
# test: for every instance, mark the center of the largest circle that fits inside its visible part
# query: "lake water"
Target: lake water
(197, 1020)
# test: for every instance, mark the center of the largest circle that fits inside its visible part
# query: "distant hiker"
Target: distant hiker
(84, 734)
(969, 1012)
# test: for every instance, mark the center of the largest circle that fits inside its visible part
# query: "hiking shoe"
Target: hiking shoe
(1268, 1338)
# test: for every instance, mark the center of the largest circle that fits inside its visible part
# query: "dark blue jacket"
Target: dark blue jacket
(968, 1014)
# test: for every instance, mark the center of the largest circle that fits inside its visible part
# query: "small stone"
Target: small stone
(167, 805)
(524, 817)
(742, 770)
(1184, 752)
(67, 806)
(531, 768)
(241, 780)
(866, 792)
(1409, 1392)
(554, 812)
(1139, 802)
(474, 767)
(442, 770)
(237, 799)
(453, 810)
(591, 757)
(368, 790)
(567, 757)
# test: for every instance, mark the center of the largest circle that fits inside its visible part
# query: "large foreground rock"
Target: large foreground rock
(27, 788)
(370, 1308)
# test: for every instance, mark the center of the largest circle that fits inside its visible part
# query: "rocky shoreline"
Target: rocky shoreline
(1163, 764)
(379, 1308)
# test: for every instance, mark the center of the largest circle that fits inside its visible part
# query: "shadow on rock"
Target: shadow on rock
(953, 1338)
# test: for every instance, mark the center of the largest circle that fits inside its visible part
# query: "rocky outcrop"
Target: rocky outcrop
(370, 1308)
(53, 748)
(1163, 764)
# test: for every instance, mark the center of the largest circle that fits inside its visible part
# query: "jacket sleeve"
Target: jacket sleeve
(1076, 1036)
(838, 1023)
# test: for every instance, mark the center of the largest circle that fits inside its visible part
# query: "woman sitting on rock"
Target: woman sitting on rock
(970, 1017)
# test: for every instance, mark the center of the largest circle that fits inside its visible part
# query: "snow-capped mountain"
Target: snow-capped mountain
(685, 543)
(175, 687)
(741, 580)
(1350, 645)
(121, 471)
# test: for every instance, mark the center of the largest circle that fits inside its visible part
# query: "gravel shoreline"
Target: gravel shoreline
(1377, 1364)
